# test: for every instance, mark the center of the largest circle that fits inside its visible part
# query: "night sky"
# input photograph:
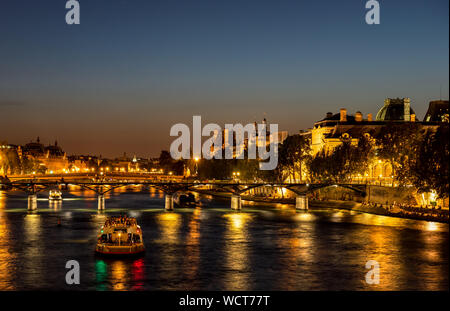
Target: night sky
(118, 81)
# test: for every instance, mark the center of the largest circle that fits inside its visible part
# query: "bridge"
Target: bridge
(168, 184)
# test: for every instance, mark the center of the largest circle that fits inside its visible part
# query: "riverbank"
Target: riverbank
(359, 207)
(335, 204)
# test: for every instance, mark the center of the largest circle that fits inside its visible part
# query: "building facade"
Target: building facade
(52, 158)
(334, 129)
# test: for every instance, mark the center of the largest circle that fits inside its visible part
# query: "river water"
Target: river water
(211, 247)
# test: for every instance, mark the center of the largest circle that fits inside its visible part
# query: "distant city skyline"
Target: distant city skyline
(118, 81)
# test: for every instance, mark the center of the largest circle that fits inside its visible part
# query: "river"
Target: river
(211, 247)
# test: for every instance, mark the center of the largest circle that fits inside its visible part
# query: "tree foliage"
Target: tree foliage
(343, 162)
(398, 144)
(293, 153)
(168, 164)
(430, 168)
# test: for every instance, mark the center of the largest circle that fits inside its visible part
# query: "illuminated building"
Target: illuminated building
(396, 109)
(438, 111)
(52, 157)
(335, 129)
(280, 135)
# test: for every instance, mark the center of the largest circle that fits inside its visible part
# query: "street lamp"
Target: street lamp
(196, 159)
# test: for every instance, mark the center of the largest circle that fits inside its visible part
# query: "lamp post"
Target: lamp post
(196, 159)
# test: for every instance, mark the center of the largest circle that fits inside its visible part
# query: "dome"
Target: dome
(55, 151)
(34, 148)
(394, 110)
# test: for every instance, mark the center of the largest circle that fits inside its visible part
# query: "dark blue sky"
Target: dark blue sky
(118, 81)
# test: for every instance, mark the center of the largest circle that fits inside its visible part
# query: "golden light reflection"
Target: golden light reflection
(32, 227)
(2, 200)
(281, 206)
(337, 216)
(305, 216)
(236, 251)
(119, 275)
(379, 248)
(169, 223)
(378, 220)
(237, 221)
(55, 204)
(432, 226)
(431, 251)
(155, 193)
(7, 258)
(169, 217)
(298, 252)
(33, 249)
(194, 226)
(193, 245)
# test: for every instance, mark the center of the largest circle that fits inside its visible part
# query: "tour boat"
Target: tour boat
(55, 195)
(120, 236)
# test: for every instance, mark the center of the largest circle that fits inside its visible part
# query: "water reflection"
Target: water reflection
(432, 274)
(192, 251)
(376, 249)
(169, 256)
(33, 250)
(262, 247)
(101, 275)
(138, 274)
(120, 274)
(55, 205)
(298, 256)
(7, 257)
(237, 275)
(432, 226)
(169, 223)
(305, 216)
(156, 193)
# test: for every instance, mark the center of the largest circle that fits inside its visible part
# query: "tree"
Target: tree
(9, 161)
(334, 166)
(165, 158)
(215, 168)
(168, 164)
(398, 144)
(320, 169)
(430, 170)
(344, 162)
(362, 155)
(30, 165)
(293, 153)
